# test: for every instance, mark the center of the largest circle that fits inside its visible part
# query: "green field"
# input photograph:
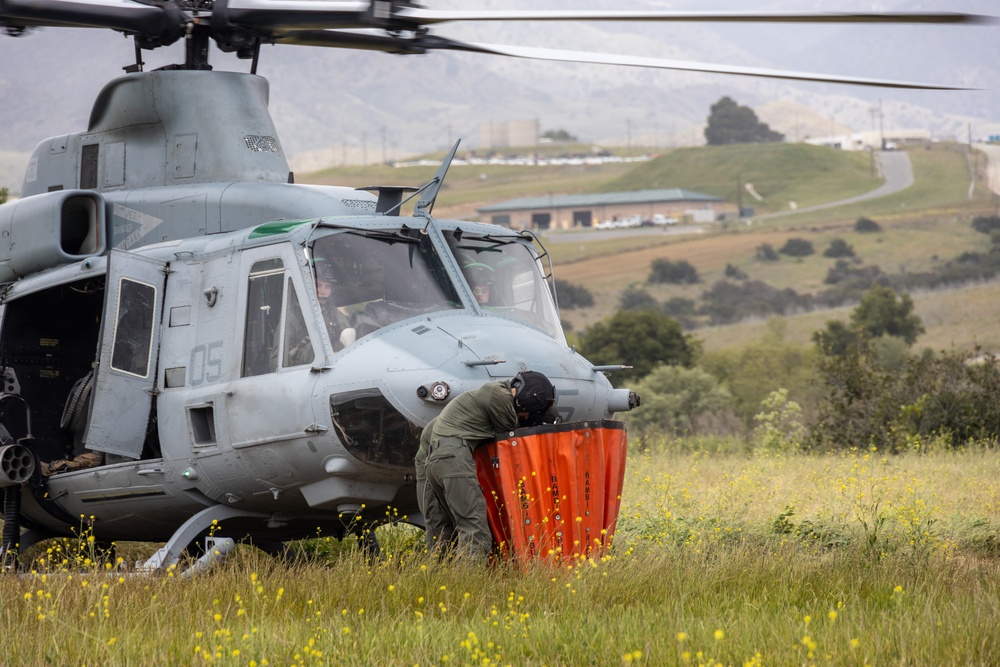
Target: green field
(719, 559)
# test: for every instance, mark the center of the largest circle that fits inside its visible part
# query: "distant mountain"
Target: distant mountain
(343, 106)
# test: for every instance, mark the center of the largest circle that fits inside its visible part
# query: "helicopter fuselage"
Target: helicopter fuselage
(162, 319)
(204, 395)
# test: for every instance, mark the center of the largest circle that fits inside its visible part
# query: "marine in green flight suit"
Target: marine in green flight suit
(420, 466)
(455, 513)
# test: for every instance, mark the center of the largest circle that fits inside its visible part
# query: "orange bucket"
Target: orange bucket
(554, 491)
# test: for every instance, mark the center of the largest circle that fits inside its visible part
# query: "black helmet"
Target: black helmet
(534, 392)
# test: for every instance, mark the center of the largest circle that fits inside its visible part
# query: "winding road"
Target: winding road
(894, 166)
(992, 153)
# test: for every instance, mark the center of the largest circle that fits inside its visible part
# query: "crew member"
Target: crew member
(480, 277)
(420, 466)
(454, 502)
(334, 320)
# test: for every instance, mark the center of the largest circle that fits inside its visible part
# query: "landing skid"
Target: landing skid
(216, 549)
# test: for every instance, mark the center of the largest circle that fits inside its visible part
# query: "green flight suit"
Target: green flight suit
(420, 466)
(455, 506)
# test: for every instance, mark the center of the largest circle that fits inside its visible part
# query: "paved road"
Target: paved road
(992, 153)
(585, 235)
(894, 166)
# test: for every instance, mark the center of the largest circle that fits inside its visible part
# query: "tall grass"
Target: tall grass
(721, 557)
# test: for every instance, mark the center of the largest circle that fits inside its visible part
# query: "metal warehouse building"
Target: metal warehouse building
(568, 211)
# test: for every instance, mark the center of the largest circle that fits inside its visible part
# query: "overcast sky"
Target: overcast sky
(328, 97)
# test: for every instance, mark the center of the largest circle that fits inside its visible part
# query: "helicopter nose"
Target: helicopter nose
(428, 362)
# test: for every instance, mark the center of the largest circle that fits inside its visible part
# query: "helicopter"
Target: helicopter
(192, 344)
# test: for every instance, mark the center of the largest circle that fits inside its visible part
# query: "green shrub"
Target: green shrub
(839, 248)
(797, 247)
(636, 298)
(680, 272)
(766, 253)
(986, 224)
(573, 296)
(679, 402)
(867, 226)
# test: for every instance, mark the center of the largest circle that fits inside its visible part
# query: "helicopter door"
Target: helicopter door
(126, 371)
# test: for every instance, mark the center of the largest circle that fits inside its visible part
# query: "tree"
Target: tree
(558, 135)
(882, 312)
(639, 338)
(730, 123)
(4, 195)
(836, 340)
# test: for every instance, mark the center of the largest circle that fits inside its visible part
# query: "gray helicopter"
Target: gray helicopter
(190, 343)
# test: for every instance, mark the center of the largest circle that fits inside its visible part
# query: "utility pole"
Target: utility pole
(739, 196)
(874, 111)
(881, 128)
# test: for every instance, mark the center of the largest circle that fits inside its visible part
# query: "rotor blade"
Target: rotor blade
(560, 55)
(431, 16)
(295, 14)
(350, 40)
(375, 42)
(164, 22)
(397, 15)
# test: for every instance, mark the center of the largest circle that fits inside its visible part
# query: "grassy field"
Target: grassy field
(721, 558)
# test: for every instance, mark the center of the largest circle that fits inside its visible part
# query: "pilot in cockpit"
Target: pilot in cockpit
(480, 277)
(336, 322)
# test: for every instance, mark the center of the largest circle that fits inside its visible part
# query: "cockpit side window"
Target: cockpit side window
(505, 278)
(298, 348)
(265, 293)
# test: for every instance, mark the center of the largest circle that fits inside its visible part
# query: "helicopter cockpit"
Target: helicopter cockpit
(370, 279)
(366, 280)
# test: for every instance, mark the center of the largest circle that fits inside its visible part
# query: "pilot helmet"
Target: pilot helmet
(535, 392)
(324, 269)
(478, 273)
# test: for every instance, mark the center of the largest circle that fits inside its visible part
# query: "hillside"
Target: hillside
(924, 228)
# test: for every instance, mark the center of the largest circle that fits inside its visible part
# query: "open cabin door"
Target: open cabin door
(126, 372)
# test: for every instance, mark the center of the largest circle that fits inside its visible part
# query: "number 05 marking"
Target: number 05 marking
(206, 363)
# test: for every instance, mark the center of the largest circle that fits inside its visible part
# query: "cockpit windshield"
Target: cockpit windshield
(366, 280)
(505, 278)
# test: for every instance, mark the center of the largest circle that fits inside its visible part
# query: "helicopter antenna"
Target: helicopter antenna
(137, 67)
(256, 56)
(426, 203)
